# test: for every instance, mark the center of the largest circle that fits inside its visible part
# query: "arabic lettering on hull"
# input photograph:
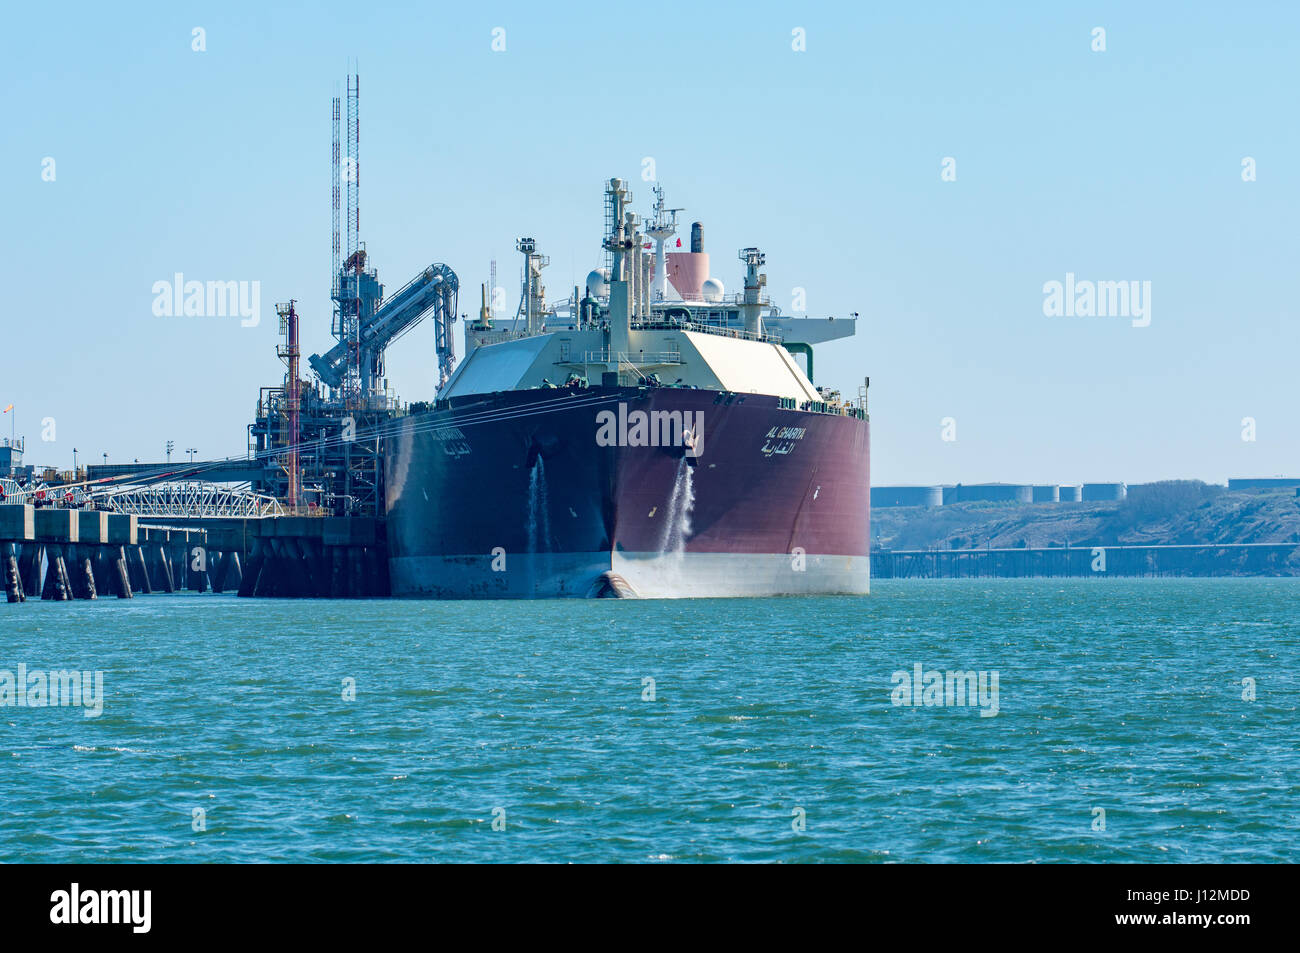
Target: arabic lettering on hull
(782, 440)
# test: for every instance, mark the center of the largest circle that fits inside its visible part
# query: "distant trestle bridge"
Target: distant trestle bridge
(1183, 559)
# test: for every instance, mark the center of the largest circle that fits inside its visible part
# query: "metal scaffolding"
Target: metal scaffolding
(190, 500)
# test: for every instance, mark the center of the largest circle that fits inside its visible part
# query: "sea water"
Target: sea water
(1136, 720)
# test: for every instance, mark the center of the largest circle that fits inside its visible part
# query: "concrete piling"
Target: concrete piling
(30, 564)
(123, 533)
(163, 568)
(101, 567)
(121, 574)
(217, 571)
(256, 559)
(192, 550)
(136, 556)
(133, 569)
(13, 578)
(153, 550)
(179, 559)
(234, 574)
(83, 576)
(57, 585)
(92, 533)
(57, 529)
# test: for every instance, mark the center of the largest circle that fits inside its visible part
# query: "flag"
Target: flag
(7, 409)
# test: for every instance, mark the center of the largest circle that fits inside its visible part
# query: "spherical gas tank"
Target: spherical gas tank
(598, 283)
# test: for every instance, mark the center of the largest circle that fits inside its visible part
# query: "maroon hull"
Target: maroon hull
(549, 492)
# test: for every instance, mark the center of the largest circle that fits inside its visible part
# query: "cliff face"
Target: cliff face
(1168, 513)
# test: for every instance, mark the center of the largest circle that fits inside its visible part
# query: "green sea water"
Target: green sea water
(1136, 720)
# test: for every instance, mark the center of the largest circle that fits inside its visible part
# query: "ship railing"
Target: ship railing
(736, 298)
(738, 333)
(640, 359)
(678, 324)
(829, 407)
(652, 358)
(498, 335)
(313, 510)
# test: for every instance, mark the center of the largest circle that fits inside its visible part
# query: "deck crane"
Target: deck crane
(331, 434)
(432, 291)
(365, 323)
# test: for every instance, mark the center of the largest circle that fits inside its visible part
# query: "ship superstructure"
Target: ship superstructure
(626, 323)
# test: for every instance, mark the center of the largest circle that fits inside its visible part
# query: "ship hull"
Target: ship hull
(560, 493)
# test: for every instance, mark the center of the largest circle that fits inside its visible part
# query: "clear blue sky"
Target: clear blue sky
(1115, 165)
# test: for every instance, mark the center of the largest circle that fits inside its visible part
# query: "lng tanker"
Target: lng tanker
(636, 442)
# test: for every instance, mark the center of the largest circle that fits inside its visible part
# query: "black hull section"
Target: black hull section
(522, 494)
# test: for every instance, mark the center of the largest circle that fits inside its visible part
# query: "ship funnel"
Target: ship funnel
(687, 271)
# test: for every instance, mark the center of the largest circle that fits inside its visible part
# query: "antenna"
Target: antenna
(350, 308)
(663, 226)
(336, 197)
(354, 164)
(349, 256)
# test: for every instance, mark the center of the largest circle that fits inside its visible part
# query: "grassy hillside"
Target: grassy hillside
(1178, 511)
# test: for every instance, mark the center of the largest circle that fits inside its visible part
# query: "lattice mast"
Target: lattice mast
(353, 165)
(290, 353)
(349, 261)
(336, 207)
(354, 263)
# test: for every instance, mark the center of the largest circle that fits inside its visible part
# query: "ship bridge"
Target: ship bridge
(675, 357)
(627, 331)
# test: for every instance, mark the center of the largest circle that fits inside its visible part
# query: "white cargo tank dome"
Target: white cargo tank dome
(598, 282)
(712, 290)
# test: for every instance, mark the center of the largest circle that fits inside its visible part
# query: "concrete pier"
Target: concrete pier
(323, 557)
(65, 554)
